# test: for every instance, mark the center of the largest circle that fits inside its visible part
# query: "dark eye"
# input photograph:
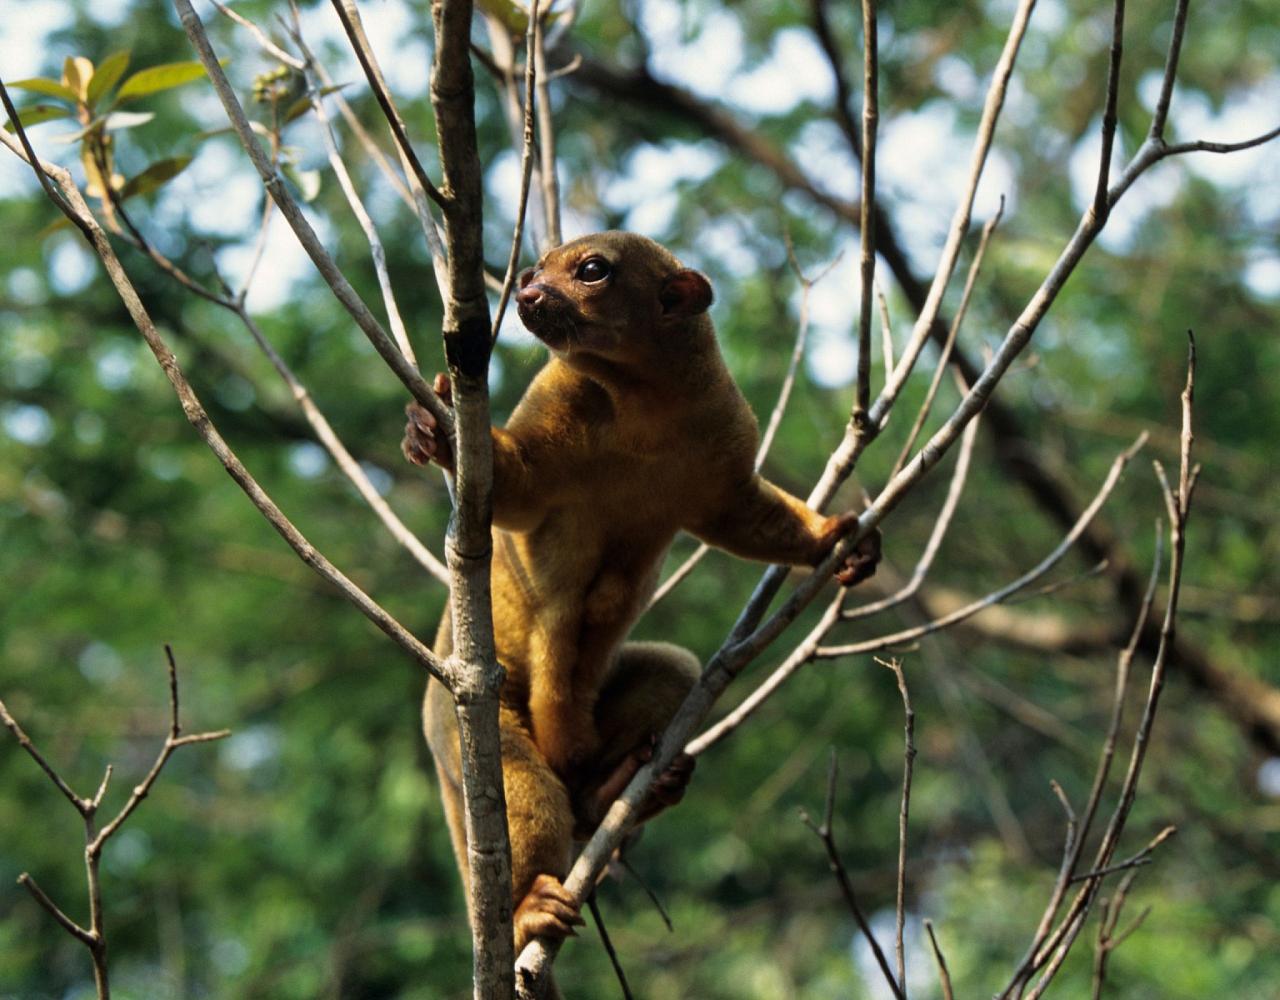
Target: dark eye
(593, 269)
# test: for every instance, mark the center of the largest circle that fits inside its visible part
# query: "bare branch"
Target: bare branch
(70, 926)
(1054, 952)
(886, 332)
(376, 251)
(264, 41)
(904, 812)
(805, 650)
(594, 907)
(944, 354)
(796, 659)
(468, 343)
(648, 891)
(1205, 146)
(342, 290)
(941, 525)
(82, 806)
(1109, 120)
(547, 134)
(1143, 857)
(532, 42)
(944, 974)
(866, 219)
(1076, 843)
(94, 937)
(199, 418)
(1170, 71)
(824, 834)
(343, 458)
(352, 25)
(171, 743)
(995, 597)
(992, 107)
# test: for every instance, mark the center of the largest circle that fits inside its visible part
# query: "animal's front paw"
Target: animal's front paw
(860, 564)
(424, 442)
(547, 910)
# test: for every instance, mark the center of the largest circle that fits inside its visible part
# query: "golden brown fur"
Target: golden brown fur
(632, 432)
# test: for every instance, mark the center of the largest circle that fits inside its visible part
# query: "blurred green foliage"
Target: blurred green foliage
(306, 857)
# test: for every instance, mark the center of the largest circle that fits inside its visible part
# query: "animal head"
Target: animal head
(614, 296)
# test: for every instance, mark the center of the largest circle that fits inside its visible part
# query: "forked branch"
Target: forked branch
(94, 936)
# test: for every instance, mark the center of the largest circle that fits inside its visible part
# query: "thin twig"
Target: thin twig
(1124, 663)
(70, 926)
(1161, 114)
(376, 250)
(81, 805)
(342, 457)
(547, 135)
(886, 331)
(1097, 569)
(1109, 120)
(904, 812)
(533, 33)
(944, 974)
(1206, 146)
(1143, 857)
(996, 596)
(992, 107)
(94, 936)
(944, 354)
(794, 660)
(171, 743)
(648, 891)
(261, 37)
(195, 413)
(354, 28)
(941, 524)
(836, 863)
(866, 219)
(1108, 940)
(1055, 950)
(594, 907)
(289, 208)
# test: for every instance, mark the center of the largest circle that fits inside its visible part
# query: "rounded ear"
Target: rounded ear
(685, 293)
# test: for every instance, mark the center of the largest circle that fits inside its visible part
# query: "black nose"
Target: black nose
(531, 295)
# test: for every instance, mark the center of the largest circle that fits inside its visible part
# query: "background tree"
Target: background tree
(320, 862)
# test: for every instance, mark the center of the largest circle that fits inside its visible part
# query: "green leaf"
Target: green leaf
(50, 88)
(38, 113)
(107, 76)
(303, 104)
(113, 122)
(77, 71)
(126, 119)
(155, 176)
(157, 78)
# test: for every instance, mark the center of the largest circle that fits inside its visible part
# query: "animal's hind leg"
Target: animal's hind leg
(641, 693)
(538, 816)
